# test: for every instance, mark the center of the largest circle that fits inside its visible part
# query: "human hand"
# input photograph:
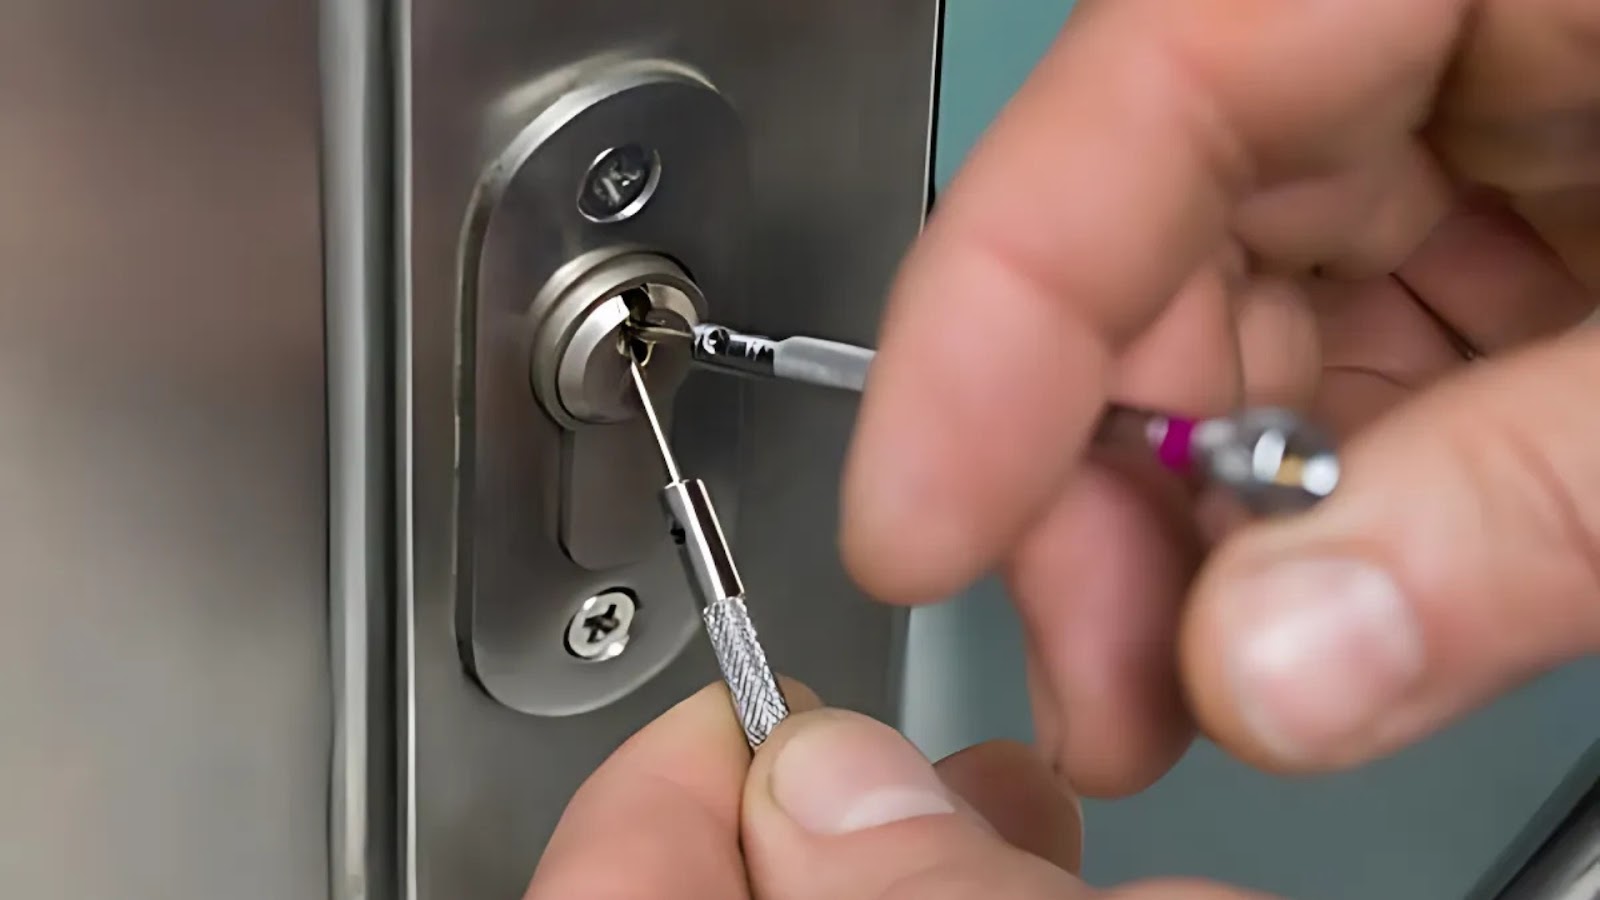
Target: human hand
(835, 806)
(1327, 205)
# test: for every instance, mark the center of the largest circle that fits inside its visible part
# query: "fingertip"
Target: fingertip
(881, 558)
(800, 696)
(667, 800)
(982, 397)
(907, 531)
(698, 742)
(1097, 585)
(1296, 655)
(1303, 652)
(832, 772)
(1209, 687)
(1182, 889)
(1448, 567)
(699, 712)
(1012, 788)
(840, 805)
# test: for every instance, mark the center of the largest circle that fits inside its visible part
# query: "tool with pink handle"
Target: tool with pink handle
(1271, 459)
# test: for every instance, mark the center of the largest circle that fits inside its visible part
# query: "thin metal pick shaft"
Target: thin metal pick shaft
(1229, 450)
(637, 374)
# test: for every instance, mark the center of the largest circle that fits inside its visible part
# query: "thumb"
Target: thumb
(841, 807)
(1459, 556)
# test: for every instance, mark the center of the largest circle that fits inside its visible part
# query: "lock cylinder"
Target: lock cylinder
(578, 370)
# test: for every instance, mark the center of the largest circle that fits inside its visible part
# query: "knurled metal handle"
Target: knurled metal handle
(757, 699)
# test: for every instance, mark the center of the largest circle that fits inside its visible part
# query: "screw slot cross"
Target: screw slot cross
(616, 180)
(601, 625)
(618, 184)
(599, 629)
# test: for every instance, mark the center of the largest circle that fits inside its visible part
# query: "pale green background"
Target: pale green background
(1423, 826)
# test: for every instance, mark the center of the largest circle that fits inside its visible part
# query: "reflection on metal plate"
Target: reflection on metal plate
(540, 437)
(788, 147)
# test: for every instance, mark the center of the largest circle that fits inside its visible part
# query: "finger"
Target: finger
(1379, 345)
(1218, 513)
(1518, 112)
(1195, 335)
(1174, 889)
(840, 807)
(1279, 344)
(1357, 222)
(1460, 556)
(667, 802)
(1354, 397)
(1378, 326)
(1097, 586)
(1099, 578)
(1483, 281)
(1057, 247)
(1491, 277)
(1010, 786)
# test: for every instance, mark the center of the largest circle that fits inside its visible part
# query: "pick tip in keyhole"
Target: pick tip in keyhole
(633, 348)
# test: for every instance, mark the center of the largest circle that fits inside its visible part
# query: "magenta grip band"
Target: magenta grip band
(1176, 448)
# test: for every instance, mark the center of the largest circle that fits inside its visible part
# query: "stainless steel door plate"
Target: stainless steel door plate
(626, 191)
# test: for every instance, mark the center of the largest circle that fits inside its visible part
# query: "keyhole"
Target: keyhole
(630, 344)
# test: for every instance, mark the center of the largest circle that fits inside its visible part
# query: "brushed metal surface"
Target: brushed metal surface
(358, 219)
(163, 654)
(1557, 855)
(1567, 866)
(554, 502)
(835, 96)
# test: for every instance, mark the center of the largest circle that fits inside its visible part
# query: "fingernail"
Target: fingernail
(1319, 649)
(845, 773)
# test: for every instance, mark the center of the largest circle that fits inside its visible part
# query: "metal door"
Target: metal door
(831, 101)
(164, 687)
(236, 661)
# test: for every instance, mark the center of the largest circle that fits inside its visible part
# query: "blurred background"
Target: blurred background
(1426, 825)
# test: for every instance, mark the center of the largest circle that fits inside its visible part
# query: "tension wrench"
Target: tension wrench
(1269, 458)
